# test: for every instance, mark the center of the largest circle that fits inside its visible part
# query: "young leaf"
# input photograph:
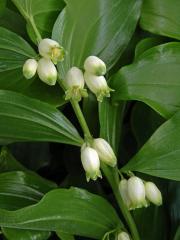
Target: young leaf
(161, 17)
(160, 154)
(95, 27)
(42, 13)
(73, 211)
(26, 119)
(154, 79)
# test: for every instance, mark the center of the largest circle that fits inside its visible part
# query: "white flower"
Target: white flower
(47, 71)
(91, 163)
(136, 191)
(97, 85)
(123, 236)
(74, 82)
(105, 151)
(123, 189)
(51, 49)
(30, 68)
(153, 194)
(95, 66)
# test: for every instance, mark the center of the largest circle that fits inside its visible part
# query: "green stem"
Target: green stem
(36, 31)
(113, 179)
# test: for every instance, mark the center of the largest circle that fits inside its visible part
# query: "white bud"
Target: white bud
(91, 163)
(51, 49)
(136, 191)
(30, 68)
(153, 194)
(123, 189)
(105, 151)
(97, 85)
(47, 71)
(74, 82)
(95, 66)
(123, 236)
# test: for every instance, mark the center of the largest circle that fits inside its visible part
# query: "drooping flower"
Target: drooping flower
(95, 66)
(153, 194)
(30, 68)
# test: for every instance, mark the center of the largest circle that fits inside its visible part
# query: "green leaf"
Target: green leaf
(160, 154)
(64, 236)
(8, 162)
(18, 234)
(110, 117)
(177, 236)
(19, 189)
(72, 211)
(161, 17)
(26, 119)
(96, 27)
(153, 79)
(146, 44)
(14, 51)
(42, 13)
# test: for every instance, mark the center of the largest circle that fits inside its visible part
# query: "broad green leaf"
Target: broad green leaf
(177, 236)
(8, 162)
(160, 154)
(26, 119)
(153, 79)
(110, 117)
(73, 211)
(42, 13)
(147, 43)
(19, 189)
(2, 6)
(161, 17)
(95, 27)
(18, 234)
(14, 51)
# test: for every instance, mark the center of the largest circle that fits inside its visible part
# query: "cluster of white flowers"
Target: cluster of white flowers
(91, 155)
(137, 193)
(51, 53)
(95, 69)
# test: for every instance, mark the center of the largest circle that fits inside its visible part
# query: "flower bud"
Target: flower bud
(30, 68)
(47, 71)
(97, 85)
(91, 163)
(74, 82)
(51, 49)
(105, 151)
(123, 189)
(153, 194)
(123, 236)
(136, 191)
(95, 66)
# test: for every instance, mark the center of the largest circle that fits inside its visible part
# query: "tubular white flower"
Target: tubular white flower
(51, 49)
(74, 82)
(123, 189)
(136, 191)
(47, 71)
(105, 151)
(90, 162)
(153, 194)
(97, 85)
(30, 68)
(95, 66)
(123, 236)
